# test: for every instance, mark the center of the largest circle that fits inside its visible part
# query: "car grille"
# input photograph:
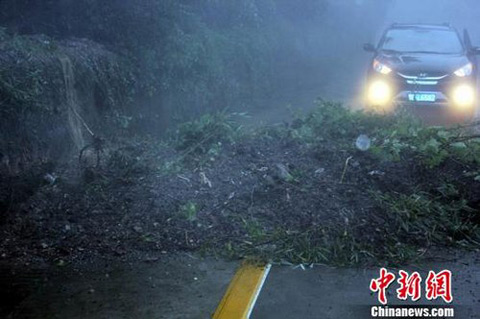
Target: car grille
(422, 79)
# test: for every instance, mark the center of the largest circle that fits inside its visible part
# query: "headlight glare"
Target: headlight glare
(464, 95)
(381, 68)
(379, 93)
(464, 71)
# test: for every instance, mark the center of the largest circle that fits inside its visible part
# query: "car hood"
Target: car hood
(423, 64)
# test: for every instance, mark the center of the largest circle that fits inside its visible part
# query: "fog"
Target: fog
(351, 23)
(148, 147)
(459, 13)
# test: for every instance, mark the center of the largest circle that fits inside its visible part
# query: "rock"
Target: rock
(373, 173)
(50, 178)
(282, 172)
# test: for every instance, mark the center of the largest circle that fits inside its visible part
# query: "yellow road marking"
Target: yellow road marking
(242, 293)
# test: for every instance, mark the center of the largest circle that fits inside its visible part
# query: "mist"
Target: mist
(336, 41)
(238, 158)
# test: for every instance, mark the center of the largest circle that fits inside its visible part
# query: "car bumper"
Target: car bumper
(447, 102)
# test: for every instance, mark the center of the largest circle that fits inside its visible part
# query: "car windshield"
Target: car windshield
(422, 40)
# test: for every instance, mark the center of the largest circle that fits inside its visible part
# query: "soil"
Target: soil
(142, 204)
(132, 208)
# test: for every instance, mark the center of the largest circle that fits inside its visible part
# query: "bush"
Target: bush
(202, 136)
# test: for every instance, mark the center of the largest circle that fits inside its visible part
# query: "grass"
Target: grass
(411, 224)
(200, 141)
(343, 216)
(397, 224)
(205, 134)
(430, 220)
(189, 211)
(404, 224)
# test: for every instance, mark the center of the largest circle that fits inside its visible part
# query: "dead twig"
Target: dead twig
(345, 169)
(251, 196)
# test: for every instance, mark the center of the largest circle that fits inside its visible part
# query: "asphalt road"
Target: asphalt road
(323, 292)
(189, 287)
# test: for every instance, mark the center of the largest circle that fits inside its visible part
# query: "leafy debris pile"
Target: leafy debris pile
(301, 193)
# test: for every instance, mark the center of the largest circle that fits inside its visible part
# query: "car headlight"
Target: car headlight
(380, 67)
(464, 95)
(464, 71)
(379, 93)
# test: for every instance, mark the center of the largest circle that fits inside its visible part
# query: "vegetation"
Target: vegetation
(410, 216)
(189, 211)
(206, 134)
(301, 193)
(139, 65)
(188, 57)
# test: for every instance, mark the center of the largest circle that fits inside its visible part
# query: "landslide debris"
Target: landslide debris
(300, 193)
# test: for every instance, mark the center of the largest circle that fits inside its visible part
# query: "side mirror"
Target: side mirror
(369, 47)
(475, 50)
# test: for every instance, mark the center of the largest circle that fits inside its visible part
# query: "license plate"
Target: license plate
(422, 97)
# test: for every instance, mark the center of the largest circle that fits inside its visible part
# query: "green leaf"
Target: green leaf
(444, 134)
(432, 145)
(459, 145)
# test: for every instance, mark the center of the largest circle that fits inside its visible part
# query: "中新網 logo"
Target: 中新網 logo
(437, 285)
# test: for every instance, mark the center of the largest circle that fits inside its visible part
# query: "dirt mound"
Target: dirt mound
(52, 95)
(41, 80)
(300, 193)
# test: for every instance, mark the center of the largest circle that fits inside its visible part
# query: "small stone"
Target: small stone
(282, 172)
(376, 172)
(50, 178)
